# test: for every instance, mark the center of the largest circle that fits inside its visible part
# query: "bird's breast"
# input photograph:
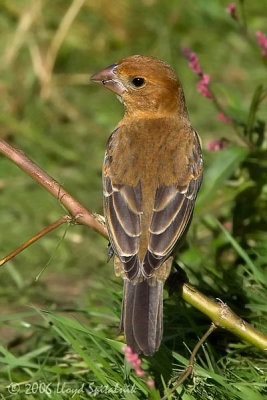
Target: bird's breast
(153, 151)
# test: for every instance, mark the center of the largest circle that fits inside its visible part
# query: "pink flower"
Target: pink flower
(135, 361)
(222, 117)
(203, 86)
(262, 42)
(231, 10)
(262, 39)
(139, 371)
(216, 145)
(228, 225)
(193, 60)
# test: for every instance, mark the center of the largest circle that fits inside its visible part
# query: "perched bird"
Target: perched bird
(152, 172)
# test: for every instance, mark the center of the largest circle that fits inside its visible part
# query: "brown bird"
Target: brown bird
(152, 172)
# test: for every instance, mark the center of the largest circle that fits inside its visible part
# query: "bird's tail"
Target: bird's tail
(141, 317)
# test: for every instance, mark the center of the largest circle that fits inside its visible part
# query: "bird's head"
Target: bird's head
(145, 85)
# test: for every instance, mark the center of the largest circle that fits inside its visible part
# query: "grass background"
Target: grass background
(61, 326)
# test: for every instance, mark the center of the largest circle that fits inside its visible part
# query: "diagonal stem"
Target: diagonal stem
(234, 126)
(79, 212)
(189, 369)
(36, 237)
(224, 317)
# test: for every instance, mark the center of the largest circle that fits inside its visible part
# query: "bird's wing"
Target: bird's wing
(122, 204)
(173, 207)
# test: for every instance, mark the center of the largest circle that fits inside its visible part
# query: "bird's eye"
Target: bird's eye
(138, 82)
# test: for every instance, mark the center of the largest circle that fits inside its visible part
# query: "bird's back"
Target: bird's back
(153, 152)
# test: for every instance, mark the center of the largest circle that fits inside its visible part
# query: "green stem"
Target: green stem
(240, 136)
(244, 24)
(224, 317)
(189, 369)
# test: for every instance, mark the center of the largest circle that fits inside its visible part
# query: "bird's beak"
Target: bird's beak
(109, 79)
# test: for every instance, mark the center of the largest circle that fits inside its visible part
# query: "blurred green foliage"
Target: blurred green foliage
(48, 109)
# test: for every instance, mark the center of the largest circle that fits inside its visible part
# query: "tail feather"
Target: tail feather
(142, 315)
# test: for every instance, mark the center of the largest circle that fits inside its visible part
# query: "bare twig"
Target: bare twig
(38, 236)
(189, 369)
(218, 312)
(80, 213)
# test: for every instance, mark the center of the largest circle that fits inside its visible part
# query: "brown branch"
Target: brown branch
(77, 211)
(221, 315)
(36, 237)
(190, 367)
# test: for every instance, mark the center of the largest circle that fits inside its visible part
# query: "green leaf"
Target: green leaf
(222, 167)
(243, 254)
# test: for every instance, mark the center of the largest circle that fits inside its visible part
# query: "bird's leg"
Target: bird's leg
(110, 251)
(176, 279)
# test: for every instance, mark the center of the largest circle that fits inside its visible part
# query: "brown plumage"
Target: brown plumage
(151, 175)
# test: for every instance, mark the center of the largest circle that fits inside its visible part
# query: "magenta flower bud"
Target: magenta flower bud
(222, 117)
(231, 10)
(216, 145)
(193, 60)
(203, 86)
(262, 42)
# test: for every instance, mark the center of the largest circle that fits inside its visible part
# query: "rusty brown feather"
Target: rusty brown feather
(152, 172)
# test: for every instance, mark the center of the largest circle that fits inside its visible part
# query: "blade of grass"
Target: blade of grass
(221, 168)
(259, 276)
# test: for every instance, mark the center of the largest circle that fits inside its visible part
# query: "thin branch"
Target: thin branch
(224, 317)
(80, 213)
(38, 236)
(218, 312)
(189, 369)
